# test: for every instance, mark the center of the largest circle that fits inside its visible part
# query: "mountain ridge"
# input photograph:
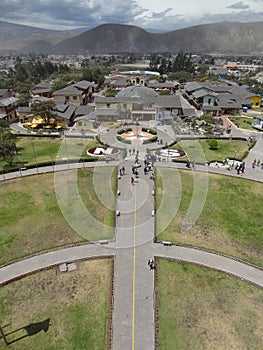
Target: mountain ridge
(224, 37)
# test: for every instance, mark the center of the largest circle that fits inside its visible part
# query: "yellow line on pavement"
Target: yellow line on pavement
(134, 266)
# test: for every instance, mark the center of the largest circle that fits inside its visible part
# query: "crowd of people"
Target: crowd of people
(147, 169)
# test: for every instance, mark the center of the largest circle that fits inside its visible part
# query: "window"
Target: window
(74, 97)
(108, 105)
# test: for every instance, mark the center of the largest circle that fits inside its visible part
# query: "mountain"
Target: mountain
(111, 38)
(223, 38)
(226, 37)
(17, 36)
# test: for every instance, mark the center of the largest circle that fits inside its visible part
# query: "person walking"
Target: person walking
(242, 167)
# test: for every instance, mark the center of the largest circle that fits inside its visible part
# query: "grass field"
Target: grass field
(45, 149)
(76, 302)
(199, 150)
(230, 221)
(31, 219)
(37, 150)
(243, 122)
(204, 309)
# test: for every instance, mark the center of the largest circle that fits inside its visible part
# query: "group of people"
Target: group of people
(135, 170)
(151, 264)
(133, 151)
(257, 163)
(189, 164)
(240, 168)
(122, 171)
(148, 167)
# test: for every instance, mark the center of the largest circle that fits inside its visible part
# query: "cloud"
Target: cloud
(177, 21)
(238, 6)
(241, 16)
(66, 14)
(70, 12)
(162, 14)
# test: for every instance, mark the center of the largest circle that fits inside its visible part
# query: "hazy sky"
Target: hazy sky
(163, 15)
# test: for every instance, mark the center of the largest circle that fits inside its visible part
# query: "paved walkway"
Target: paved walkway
(134, 304)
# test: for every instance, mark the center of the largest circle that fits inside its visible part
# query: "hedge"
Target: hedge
(119, 138)
(151, 131)
(121, 131)
(152, 139)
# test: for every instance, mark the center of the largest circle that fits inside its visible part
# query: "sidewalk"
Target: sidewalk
(133, 314)
(133, 325)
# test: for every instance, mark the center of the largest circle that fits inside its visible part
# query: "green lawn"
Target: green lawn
(77, 304)
(32, 151)
(199, 150)
(243, 122)
(31, 219)
(203, 309)
(230, 221)
(44, 149)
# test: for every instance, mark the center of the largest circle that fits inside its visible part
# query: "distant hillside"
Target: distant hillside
(222, 38)
(229, 38)
(16, 36)
(111, 38)
(226, 37)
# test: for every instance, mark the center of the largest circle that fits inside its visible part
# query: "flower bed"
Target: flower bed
(170, 153)
(102, 151)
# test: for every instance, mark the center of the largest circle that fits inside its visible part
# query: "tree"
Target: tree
(7, 146)
(59, 84)
(4, 123)
(44, 110)
(20, 72)
(110, 93)
(154, 62)
(181, 76)
(213, 144)
(24, 99)
(165, 92)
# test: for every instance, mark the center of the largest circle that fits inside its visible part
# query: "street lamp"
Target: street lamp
(234, 157)
(168, 155)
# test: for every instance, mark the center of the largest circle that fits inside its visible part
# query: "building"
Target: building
(6, 93)
(217, 99)
(24, 114)
(79, 93)
(8, 109)
(42, 89)
(138, 103)
(64, 114)
(257, 123)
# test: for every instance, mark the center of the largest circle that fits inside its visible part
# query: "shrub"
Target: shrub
(213, 144)
(152, 139)
(119, 138)
(121, 131)
(151, 131)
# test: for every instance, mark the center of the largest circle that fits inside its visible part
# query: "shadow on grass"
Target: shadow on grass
(31, 329)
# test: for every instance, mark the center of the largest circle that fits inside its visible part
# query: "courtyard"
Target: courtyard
(134, 243)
